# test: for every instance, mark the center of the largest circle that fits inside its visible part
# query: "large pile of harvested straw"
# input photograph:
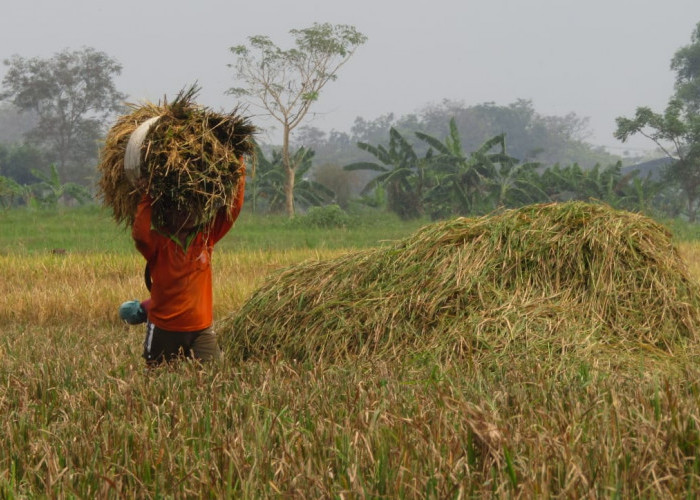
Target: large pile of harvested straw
(521, 276)
(189, 159)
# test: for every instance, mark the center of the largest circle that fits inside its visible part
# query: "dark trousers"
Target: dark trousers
(162, 345)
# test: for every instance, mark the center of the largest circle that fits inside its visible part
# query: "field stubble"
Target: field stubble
(81, 416)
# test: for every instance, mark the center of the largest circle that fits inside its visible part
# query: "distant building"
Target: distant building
(653, 167)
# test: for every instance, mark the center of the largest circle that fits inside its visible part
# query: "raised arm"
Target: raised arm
(227, 216)
(141, 231)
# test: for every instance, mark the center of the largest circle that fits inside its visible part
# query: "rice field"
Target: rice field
(82, 418)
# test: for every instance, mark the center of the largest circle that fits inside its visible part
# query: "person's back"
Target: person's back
(178, 256)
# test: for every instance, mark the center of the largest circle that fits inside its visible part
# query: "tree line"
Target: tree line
(445, 180)
(449, 159)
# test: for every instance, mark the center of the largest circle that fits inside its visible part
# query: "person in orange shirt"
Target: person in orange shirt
(179, 312)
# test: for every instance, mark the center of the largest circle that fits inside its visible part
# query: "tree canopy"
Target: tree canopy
(531, 136)
(676, 131)
(285, 83)
(72, 93)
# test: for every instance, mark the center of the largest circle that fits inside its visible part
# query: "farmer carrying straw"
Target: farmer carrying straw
(178, 255)
(176, 174)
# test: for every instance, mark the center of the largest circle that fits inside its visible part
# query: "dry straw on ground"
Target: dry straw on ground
(547, 278)
(190, 158)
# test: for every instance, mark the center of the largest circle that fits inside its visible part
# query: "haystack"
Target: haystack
(189, 158)
(515, 277)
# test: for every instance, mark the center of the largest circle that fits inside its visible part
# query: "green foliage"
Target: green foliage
(457, 186)
(266, 188)
(532, 137)
(265, 184)
(285, 83)
(677, 130)
(574, 182)
(661, 128)
(401, 174)
(24, 180)
(9, 192)
(50, 190)
(445, 181)
(328, 216)
(90, 228)
(18, 160)
(645, 195)
(686, 64)
(72, 93)
(484, 180)
(308, 192)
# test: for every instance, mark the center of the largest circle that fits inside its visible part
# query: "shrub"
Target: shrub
(328, 216)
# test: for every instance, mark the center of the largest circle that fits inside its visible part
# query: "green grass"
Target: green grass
(84, 229)
(92, 229)
(683, 230)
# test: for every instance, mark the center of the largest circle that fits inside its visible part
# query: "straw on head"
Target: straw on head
(190, 159)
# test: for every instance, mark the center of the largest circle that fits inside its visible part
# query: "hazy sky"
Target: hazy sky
(598, 58)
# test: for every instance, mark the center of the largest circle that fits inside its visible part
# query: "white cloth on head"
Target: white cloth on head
(132, 155)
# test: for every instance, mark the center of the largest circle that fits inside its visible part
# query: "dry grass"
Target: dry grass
(589, 279)
(82, 418)
(190, 158)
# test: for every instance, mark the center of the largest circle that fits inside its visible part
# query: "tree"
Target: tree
(401, 172)
(14, 124)
(50, 190)
(644, 195)
(308, 192)
(575, 183)
(511, 183)
(18, 161)
(686, 64)
(676, 131)
(9, 192)
(459, 179)
(267, 185)
(72, 94)
(343, 183)
(531, 136)
(285, 83)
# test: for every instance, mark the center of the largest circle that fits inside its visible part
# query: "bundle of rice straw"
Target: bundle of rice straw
(189, 159)
(556, 275)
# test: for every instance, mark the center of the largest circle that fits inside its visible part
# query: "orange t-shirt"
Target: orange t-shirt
(181, 291)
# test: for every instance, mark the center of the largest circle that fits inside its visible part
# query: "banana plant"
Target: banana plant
(573, 182)
(457, 179)
(400, 171)
(642, 194)
(267, 186)
(9, 191)
(50, 190)
(308, 192)
(515, 184)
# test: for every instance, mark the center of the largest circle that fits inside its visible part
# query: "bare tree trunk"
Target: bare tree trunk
(289, 192)
(289, 168)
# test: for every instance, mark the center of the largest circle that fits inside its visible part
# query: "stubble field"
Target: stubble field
(81, 417)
